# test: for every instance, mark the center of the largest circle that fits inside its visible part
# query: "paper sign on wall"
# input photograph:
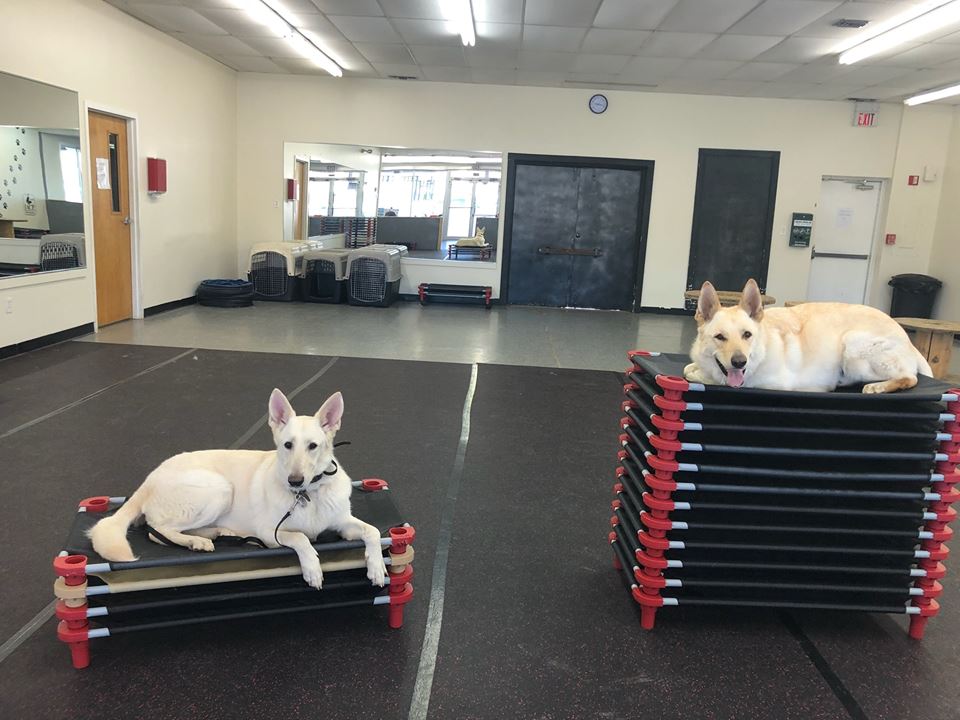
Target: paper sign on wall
(103, 174)
(844, 217)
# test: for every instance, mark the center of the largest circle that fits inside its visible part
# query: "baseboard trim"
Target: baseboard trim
(172, 305)
(667, 311)
(45, 340)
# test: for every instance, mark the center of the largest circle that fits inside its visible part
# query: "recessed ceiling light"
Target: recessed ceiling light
(922, 19)
(273, 15)
(933, 95)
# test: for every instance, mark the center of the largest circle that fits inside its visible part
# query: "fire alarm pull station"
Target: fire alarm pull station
(891, 239)
(800, 229)
(913, 180)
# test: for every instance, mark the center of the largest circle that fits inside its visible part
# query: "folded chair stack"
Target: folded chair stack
(173, 586)
(771, 499)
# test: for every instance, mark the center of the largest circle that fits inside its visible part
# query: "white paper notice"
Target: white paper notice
(103, 174)
(844, 217)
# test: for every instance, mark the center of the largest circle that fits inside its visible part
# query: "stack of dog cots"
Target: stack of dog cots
(761, 498)
(173, 586)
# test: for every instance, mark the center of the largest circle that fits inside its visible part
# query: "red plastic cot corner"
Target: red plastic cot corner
(655, 523)
(653, 543)
(615, 504)
(655, 503)
(668, 404)
(401, 537)
(671, 446)
(918, 623)
(654, 582)
(942, 535)
(77, 639)
(660, 484)
(937, 572)
(98, 503)
(400, 595)
(631, 354)
(662, 423)
(650, 562)
(72, 568)
(617, 488)
(627, 405)
(672, 382)
(939, 554)
(421, 291)
(670, 466)
(373, 484)
(934, 590)
(402, 577)
(626, 420)
(630, 387)
(72, 614)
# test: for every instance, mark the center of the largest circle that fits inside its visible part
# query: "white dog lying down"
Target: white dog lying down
(195, 497)
(814, 346)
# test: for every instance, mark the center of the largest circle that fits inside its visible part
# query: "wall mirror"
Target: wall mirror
(41, 179)
(441, 204)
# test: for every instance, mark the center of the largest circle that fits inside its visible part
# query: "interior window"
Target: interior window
(70, 171)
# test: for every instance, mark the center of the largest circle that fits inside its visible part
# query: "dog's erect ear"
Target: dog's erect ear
(707, 305)
(751, 301)
(331, 412)
(280, 411)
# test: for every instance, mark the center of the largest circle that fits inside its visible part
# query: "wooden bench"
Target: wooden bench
(728, 297)
(934, 340)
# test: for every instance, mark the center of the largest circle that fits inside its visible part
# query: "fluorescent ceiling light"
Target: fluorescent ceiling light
(455, 159)
(922, 20)
(933, 95)
(273, 15)
(460, 15)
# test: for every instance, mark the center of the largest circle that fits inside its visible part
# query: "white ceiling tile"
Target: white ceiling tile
(505, 35)
(872, 74)
(438, 55)
(546, 61)
(874, 12)
(829, 91)
(932, 78)
(600, 64)
(541, 79)
(365, 29)
(235, 4)
(349, 7)
(706, 15)
(284, 7)
(738, 47)
(555, 39)
(572, 13)
(761, 71)
(251, 63)
(447, 74)
(427, 32)
(272, 47)
(952, 38)
(783, 17)
(344, 53)
(675, 44)
(300, 66)
(498, 11)
(924, 56)
(176, 18)
(650, 70)
(238, 23)
(817, 72)
(494, 76)
(492, 59)
(736, 88)
(421, 9)
(383, 53)
(706, 69)
(318, 25)
(882, 92)
(386, 69)
(633, 14)
(614, 42)
(221, 45)
(798, 50)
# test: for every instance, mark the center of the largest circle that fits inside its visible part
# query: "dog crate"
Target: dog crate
(171, 586)
(275, 270)
(373, 275)
(324, 276)
(758, 498)
(402, 249)
(58, 255)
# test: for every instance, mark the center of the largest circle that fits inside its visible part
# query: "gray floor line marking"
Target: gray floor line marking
(21, 636)
(24, 633)
(420, 702)
(85, 398)
(290, 396)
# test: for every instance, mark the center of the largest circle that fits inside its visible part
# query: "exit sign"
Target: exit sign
(865, 114)
(866, 119)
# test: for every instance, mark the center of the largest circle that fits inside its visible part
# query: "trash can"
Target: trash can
(913, 295)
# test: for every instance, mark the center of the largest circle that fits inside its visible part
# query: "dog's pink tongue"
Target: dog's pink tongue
(734, 377)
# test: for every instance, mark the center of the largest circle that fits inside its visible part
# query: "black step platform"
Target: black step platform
(458, 294)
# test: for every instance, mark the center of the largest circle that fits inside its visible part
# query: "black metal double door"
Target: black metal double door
(576, 236)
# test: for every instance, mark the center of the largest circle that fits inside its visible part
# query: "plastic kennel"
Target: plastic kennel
(172, 586)
(374, 276)
(58, 255)
(760, 498)
(324, 276)
(275, 270)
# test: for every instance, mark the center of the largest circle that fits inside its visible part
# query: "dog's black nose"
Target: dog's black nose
(738, 361)
(295, 480)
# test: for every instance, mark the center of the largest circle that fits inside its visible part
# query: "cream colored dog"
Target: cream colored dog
(815, 347)
(193, 498)
(477, 240)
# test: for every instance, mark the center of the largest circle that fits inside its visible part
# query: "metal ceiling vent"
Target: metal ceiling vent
(847, 23)
(402, 77)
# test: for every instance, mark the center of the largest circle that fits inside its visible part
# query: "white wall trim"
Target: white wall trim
(42, 278)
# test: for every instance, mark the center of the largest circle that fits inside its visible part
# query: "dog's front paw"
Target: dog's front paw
(200, 544)
(692, 373)
(313, 575)
(376, 570)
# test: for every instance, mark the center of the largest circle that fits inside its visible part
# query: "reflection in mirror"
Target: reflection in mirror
(440, 204)
(41, 180)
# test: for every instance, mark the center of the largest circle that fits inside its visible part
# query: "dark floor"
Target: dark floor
(536, 623)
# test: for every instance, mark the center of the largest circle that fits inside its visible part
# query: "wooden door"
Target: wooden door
(110, 183)
(300, 202)
(733, 218)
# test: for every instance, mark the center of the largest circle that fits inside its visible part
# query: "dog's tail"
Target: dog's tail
(923, 367)
(109, 536)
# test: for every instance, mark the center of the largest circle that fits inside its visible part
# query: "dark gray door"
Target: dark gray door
(575, 236)
(733, 218)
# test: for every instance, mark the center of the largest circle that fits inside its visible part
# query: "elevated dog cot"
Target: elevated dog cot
(374, 274)
(759, 498)
(275, 270)
(324, 276)
(173, 586)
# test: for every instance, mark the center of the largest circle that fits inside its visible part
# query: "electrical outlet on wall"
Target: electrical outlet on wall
(9, 305)
(29, 205)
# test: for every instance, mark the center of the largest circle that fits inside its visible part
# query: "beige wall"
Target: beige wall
(945, 257)
(814, 138)
(186, 109)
